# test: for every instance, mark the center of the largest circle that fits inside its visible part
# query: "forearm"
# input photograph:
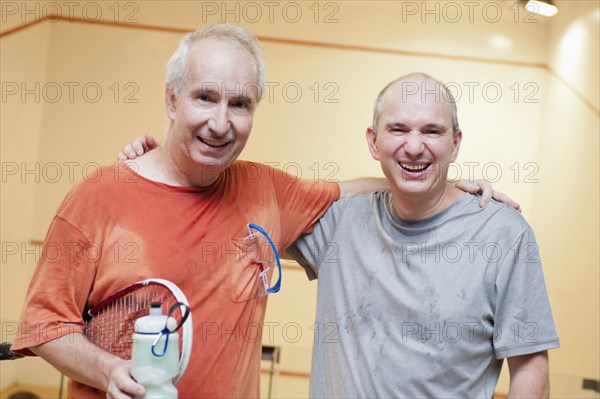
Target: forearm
(532, 388)
(530, 379)
(79, 359)
(362, 186)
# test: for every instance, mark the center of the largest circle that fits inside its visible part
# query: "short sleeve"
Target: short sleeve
(523, 322)
(312, 250)
(59, 288)
(301, 203)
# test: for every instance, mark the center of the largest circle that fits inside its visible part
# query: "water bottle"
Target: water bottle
(155, 354)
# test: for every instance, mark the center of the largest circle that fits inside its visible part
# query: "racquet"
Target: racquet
(110, 324)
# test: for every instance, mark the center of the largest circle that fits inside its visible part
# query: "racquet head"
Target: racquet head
(110, 323)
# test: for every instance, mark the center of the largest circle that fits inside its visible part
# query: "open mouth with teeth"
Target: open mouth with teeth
(213, 143)
(414, 168)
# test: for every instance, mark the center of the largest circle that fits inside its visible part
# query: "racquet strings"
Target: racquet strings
(112, 326)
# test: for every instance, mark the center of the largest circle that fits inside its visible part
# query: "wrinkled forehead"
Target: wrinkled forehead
(223, 65)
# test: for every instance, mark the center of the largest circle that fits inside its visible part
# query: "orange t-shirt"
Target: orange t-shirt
(116, 228)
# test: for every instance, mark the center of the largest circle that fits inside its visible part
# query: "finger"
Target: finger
(151, 142)
(501, 197)
(486, 194)
(132, 388)
(138, 146)
(115, 393)
(477, 187)
(127, 387)
(127, 149)
(121, 157)
(129, 152)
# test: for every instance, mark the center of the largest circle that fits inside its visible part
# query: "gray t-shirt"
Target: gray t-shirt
(422, 309)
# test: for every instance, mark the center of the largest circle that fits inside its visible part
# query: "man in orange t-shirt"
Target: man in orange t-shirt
(176, 214)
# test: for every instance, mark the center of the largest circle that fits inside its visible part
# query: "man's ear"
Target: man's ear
(456, 145)
(371, 136)
(170, 102)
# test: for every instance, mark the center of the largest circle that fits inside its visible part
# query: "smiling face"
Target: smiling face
(211, 117)
(414, 141)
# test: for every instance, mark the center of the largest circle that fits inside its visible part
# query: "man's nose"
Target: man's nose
(414, 144)
(219, 121)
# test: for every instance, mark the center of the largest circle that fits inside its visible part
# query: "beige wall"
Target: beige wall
(541, 127)
(566, 214)
(24, 119)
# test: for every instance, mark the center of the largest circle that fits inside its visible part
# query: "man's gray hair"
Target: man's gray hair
(177, 63)
(415, 78)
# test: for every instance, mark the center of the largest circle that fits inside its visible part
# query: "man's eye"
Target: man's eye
(241, 104)
(432, 132)
(204, 97)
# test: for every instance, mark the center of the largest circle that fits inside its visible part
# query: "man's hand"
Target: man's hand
(121, 385)
(487, 192)
(77, 358)
(139, 146)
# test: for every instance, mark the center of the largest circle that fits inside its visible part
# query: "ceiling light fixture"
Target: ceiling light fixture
(542, 7)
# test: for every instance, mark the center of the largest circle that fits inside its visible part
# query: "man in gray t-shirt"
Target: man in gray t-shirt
(421, 292)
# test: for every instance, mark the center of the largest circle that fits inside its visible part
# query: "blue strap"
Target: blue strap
(277, 285)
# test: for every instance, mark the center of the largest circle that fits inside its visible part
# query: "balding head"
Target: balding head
(417, 84)
(226, 32)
